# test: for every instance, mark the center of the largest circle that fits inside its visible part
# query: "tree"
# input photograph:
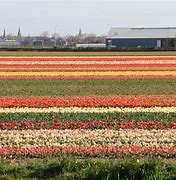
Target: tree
(56, 35)
(44, 34)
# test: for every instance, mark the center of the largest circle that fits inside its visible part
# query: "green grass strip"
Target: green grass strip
(56, 88)
(86, 117)
(70, 168)
(102, 53)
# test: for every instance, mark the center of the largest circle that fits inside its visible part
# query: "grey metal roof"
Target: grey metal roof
(169, 32)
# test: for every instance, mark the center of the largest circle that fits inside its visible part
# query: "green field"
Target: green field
(87, 87)
(67, 168)
(85, 117)
(65, 53)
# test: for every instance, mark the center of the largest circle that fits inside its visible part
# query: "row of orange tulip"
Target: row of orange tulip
(89, 101)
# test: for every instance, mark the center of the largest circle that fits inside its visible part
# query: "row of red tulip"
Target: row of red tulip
(96, 151)
(90, 77)
(85, 67)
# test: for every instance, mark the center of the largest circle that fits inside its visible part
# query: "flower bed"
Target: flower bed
(166, 152)
(98, 126)
(89, 131)
(90, 101)
(85, 67)
(97, 58)
(92, 125)
(88, 142)
(88, 67)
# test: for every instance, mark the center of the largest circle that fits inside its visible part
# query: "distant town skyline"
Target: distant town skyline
(92, 16)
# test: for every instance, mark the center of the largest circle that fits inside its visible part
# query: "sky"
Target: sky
(65, 17)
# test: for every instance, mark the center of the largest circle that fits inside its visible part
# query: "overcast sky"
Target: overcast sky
(92, 16)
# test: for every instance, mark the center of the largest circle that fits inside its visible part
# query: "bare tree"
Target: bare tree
(55, 35)
(44, 34)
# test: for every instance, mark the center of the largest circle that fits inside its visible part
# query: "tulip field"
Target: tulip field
(136, 121)
(88, 67)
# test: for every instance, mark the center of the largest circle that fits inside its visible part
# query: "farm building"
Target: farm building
(144, 38)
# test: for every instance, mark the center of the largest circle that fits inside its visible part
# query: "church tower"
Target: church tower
(19, 33)
(80, 32)
(4, 34)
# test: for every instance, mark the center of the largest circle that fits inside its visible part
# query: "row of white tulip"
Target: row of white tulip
(88, 110)
(86, 138)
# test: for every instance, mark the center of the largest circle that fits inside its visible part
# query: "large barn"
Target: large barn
(144, 38)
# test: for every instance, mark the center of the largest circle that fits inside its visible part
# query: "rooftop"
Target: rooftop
(126, 32)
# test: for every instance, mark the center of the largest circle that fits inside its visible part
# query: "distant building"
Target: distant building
(38, 43)
(92, 46)
(145, 38)
(28, 41)
(9, 43)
